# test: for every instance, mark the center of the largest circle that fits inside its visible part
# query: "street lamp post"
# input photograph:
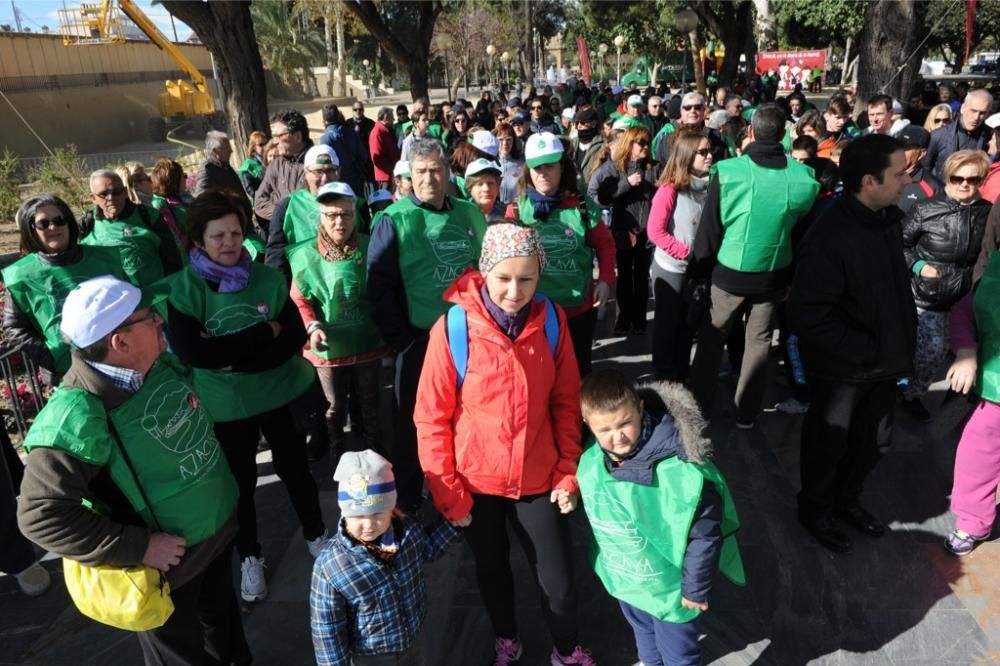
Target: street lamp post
(505, 58)
(603, 50)
(619, 43)
(367, 81)
(490, 50)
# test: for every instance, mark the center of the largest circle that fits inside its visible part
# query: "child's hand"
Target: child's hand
(694, 605)
(462, 522)
(565, 499)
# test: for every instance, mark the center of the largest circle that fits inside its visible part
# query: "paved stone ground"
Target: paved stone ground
(898, 600)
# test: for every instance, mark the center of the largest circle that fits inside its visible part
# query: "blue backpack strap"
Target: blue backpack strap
(551, 323)
(458, 341)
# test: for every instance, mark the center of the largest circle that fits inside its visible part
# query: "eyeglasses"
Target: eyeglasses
(461, 119)
(152, 316)
(337, 215)
(941, 121)
(693, 107)
(281, 135)
(358, 108)
(116, 191)
(971, 180)
(328, 170)
(42, 225)
(703, 152)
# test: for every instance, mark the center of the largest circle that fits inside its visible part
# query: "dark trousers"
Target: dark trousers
(544, 535)
(205, 628)
(16, 552)
(663, 643)
(581, 332)
(288, 452)
(672, 336)
(356, 385)
(632, 286)
(405, 464)
(841, 434)
(795, 370)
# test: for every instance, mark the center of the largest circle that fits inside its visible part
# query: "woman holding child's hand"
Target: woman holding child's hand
(498, 426)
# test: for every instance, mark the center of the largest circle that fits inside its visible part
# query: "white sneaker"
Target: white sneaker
(792, 406)
(253, 585)
(316, 545)
(34, 580)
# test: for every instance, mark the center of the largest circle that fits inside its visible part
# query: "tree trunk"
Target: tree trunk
(226, 29)
(528, 66)
(767, 26)
(892, 31)
(734, 28)
(331, 61)
(456, 81)
(847, 61)
(341, 64)
(699, 71)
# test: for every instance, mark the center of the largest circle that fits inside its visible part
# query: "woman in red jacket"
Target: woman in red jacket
(498, 426)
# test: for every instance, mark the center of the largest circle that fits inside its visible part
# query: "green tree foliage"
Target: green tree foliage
(946, 20)
(9, 195)
(289, 45)
(64, 174)
(818, 24)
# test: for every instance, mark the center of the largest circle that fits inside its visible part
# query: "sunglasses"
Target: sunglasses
(971, 180)
(537, 108)
(703, 152)
(42, 225)
(357, 108)
(642, 143)
(113, 192)
(940, 121)
(693, 107)
(461, 119)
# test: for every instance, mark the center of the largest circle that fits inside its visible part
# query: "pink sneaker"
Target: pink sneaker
(508, 652)
(580, 657)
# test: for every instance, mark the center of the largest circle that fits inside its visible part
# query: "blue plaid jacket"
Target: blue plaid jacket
(364, 606)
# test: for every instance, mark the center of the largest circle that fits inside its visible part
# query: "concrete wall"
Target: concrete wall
(94, 96)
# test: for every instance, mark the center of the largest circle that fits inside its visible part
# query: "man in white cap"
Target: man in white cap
(635, 113)
(296, 217)
(126, 434)
(418, 247)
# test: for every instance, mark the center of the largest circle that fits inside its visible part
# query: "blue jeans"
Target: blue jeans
(663, 643)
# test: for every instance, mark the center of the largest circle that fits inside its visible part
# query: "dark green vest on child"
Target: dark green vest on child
(230, 395)
(40, 289)
(338, 291)
(169, 437)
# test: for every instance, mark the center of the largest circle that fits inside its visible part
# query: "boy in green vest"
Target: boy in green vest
(662, 516)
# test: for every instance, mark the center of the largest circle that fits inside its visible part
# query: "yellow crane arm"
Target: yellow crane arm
(147, 26)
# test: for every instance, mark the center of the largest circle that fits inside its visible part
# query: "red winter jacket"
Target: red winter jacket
(514, 427)
(384, 150)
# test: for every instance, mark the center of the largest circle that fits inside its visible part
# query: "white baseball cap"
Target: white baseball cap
(378, 196)
(482, 166)
(620, 125)
(486, 142)
(321, 154)
(336, 190)
(568, 113)
(635, 100)
(542, 148)
(993, 121)
(97, 307)
(402, 168)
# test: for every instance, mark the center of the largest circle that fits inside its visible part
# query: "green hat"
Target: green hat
(542, 148)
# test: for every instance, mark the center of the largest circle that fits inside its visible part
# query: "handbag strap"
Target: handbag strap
(128, 462)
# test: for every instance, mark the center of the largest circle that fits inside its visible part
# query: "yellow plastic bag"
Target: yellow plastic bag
(133, 599)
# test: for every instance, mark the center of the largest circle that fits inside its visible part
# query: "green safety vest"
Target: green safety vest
(435, 130)
(40, 289)
(137, 244)
(169, 437)
(569, 260)
(435, 247)
(229, 395)
(663, 135)
(301, 217)
(338, 291)
(641, 532)
(403, 130)
(986, 302)
(180, 213)
(254, 245)
(759, 207)
(252, 167)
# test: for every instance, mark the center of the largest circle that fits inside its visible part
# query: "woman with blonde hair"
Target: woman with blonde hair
(940, 116)
(137, 182)
(673, 219)
(942, 237)
(252, 170)
(625, 183)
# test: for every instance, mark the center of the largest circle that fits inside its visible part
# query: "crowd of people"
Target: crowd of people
(472, 248)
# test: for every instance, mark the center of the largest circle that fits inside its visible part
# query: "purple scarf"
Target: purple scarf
(230, 278)
(510, 324)
(542, 203)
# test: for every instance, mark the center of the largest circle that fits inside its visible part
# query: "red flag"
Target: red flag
(970, 20)
(581, 47)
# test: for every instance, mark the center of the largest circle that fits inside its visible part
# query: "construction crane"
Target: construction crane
(183, 102)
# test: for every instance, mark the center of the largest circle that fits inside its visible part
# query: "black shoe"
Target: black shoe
(621, 327)
(858, 518)
(828, 533)
(916, 410)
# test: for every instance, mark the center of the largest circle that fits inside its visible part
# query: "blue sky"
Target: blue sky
(36, 13)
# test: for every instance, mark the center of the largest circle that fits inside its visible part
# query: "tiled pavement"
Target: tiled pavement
(897, 600)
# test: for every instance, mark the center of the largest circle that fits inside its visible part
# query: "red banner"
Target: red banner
(581, 47)
(970, 21)
(791, 67)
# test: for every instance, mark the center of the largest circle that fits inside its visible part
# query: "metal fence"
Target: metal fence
(21, 411)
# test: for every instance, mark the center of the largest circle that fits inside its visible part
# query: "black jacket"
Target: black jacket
(216, 176)
(947, 235)
(629, 205)
(949, 139)
(850, 302)
(923, 185)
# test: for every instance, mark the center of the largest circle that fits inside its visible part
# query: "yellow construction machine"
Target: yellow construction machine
(183, 102)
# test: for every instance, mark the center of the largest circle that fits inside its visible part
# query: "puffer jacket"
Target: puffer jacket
(513, 429)
(947, 235)
(629, 205)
